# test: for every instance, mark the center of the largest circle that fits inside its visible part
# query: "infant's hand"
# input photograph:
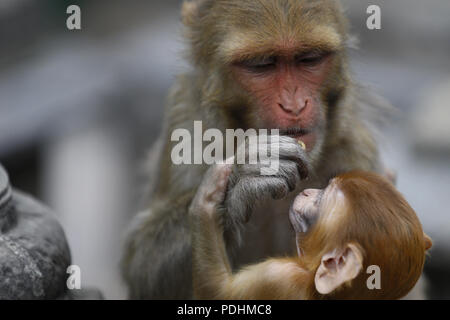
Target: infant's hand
(211, 193)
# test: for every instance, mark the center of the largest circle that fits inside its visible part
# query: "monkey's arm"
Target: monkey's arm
(273, 279)
(157, 263)
(210, 264)
(212, 274)
(213, 278)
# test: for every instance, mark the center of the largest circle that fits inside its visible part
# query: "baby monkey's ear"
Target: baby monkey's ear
(428, 242)
(338, 267)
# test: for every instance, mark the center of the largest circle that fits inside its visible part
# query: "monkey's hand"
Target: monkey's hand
(211, 193)
(248, 185)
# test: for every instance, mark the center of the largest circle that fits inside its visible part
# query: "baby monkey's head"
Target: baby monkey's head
(359, 220)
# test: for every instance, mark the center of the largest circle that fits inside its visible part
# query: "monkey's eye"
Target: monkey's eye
(319, 198)
(311, 58)
(259, 64)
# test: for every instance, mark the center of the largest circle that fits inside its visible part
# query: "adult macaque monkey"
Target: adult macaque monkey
(358, 221)
(256, 64)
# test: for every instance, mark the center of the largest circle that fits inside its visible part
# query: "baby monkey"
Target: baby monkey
(357, 221)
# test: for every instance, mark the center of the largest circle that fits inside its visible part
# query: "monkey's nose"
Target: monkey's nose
(294, 107)
(310, 192)
(293, 100)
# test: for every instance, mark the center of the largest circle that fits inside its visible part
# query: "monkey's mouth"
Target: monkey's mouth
(294, 132)
(305, 137)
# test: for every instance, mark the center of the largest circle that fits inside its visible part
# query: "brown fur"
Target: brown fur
(373, 216)
(384, 226)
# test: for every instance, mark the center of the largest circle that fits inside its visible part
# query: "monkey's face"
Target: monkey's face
(285, 91)
(312, 204)
(271, 64)
(305, 210)
(285, 60)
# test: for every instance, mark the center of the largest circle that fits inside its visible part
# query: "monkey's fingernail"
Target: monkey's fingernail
(302, 144)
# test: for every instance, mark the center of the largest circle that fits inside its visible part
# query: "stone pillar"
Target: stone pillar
(34, 254)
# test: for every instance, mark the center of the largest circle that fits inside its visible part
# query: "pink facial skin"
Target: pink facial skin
(286, 91)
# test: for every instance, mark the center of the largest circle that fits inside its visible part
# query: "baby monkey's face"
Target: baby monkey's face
(305, 210)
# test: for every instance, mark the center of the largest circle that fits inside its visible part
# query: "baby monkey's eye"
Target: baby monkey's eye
(319, 198)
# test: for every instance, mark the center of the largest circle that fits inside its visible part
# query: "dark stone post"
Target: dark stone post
(34, 254)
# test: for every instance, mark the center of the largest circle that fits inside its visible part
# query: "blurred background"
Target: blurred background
(79, 110)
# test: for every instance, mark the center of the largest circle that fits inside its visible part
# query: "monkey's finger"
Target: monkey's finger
(214, 185)
(254, 170)
(285, 169)
(241, 199)
(273, 148)
(278, 187)
(303, 169)
(291, 150)
(258, 188)
(289, 171)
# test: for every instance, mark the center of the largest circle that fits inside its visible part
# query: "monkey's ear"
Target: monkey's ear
(190, 11)
(428, 242)
(338, 267)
